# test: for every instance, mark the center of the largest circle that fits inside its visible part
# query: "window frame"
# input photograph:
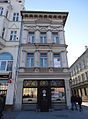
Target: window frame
(15, 16)
(13, 36)
(56, 58)
(43, 37)
(30, 58)
(32, 39)
(43, 59)
(55, 37)
(1, 11)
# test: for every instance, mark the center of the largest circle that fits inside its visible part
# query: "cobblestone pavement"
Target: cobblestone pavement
(63, 114)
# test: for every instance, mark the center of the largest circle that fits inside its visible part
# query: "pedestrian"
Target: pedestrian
(80, 103)
(1, 106)
(73, 102)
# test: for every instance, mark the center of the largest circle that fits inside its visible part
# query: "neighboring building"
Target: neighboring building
(10, 25)
(79, 76)
(43, 78)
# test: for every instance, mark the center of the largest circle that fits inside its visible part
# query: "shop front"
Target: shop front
(43, 95)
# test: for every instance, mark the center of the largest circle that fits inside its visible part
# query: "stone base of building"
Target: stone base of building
(9, 107)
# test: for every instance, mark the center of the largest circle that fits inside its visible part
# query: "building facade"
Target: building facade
(10, 25)
(79, 76)
(34, 73)
(43, 78)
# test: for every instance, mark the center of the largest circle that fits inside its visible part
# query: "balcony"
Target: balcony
(42, 70)
(2, 43)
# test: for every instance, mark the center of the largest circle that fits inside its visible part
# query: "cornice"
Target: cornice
(45, 16)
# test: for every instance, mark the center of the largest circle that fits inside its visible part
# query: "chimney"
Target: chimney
(86, 47)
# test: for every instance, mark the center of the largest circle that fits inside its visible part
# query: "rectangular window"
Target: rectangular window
(6, 65)
(31, 38)
(13, 35)
(16, 17)
(2, 65)
(57, 62)
(55, 38)
(43, 38)
(57, 95)
(43, 60)
(1, 10)
(3, 32)
(30, 60)
(85, 91)
(86, 73)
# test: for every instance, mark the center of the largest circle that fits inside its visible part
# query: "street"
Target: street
(62, 114)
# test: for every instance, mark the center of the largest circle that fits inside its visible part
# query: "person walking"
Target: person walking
(1, 107)
(80, 103)
(73, 102)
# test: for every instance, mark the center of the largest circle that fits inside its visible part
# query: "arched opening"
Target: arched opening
(6, 62)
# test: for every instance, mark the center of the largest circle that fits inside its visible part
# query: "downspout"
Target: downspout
(18, 57)
(17, 66)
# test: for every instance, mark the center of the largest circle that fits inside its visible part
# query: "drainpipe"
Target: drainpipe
(18, 57)
(17, 65)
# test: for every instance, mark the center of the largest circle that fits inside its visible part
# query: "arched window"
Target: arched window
(6, 62)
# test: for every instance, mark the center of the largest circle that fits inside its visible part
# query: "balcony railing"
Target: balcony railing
(2, 43)
(42, 70)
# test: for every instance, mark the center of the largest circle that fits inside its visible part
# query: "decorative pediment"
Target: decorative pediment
(14, 26)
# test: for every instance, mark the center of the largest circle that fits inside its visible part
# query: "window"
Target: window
(1, 10)
(31, 38)
(57, 95)
(83, 77)
(30, 60)
(85, 91)
(30, 95)
(6, 62)
(15, 16)
(13, 35)
(55, 38)
(43, 38)
(57, 62)
(43, 60)
(86, 73)
(3, 32)
(6, 14)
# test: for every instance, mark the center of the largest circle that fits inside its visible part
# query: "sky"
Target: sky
(76, 27)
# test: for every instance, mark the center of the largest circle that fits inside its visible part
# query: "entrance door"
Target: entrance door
(44, 99)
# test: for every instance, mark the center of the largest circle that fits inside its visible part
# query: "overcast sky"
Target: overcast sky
(76, 28)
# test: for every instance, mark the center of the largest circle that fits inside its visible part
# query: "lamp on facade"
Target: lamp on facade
(9, 80)
(10, 77)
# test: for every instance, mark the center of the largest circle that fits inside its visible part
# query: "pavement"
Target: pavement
(62, 114)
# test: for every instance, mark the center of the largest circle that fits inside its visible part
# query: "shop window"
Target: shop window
(55, 38)
(85, 91)
(31, 38)
(30, 60)
(81, 91)
(43, 38)
(6, 62)
(43, 60)
(57, 95)
(57, 62)
(1, 10)
(30, 95)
